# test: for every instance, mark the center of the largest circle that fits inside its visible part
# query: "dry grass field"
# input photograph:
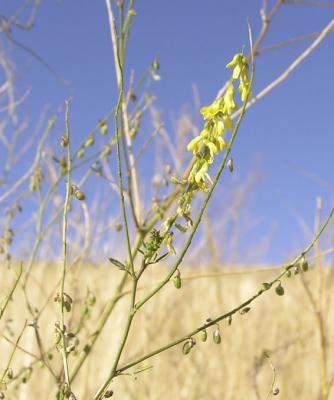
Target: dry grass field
(286, 327)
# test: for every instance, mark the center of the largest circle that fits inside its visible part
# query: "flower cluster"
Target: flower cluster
(218, 120)
(210, 142)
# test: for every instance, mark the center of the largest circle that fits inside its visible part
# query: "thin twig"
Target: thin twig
(64, 266)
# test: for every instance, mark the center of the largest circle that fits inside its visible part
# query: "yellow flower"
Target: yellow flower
(235, 61)
(211, 111)
(195, 145)
(229, 103)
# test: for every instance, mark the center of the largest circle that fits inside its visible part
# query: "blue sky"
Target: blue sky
(288, 135)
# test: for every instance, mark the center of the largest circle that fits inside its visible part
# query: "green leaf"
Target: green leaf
(162, 257)
(117, 263)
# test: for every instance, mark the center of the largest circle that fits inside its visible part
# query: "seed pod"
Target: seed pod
(230, 164)
(103, 127)
(156, 64)
(216, 336)
(177, 280)
(91, 299)
(245, 310)
(67, 306)
(56, 337)
(80, 195)
(80, 153)
(10, 373)
(304, 264)
(64, 141)
(275, 391)
(118, 227)
(2, 395)
(203, 335)
(108, 394)
(89, 141)
(279, 290)
(187, 346)
(288, 273)
(266, 286)
(132, 96)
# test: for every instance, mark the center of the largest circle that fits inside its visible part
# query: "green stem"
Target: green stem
(64, 266)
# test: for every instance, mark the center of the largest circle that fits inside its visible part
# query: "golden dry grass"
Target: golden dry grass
(234, 370)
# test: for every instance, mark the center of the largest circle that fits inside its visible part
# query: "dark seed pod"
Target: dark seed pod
(245, 310)
(279, 290)
(216, 336)
(108, 394)
(275, 391)
(203, 335)
(132, 96)
(80, 195)
(288, 273)
(67, 306)
(304, 264)
(64, 141)
(118, 227)
(10, 373)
